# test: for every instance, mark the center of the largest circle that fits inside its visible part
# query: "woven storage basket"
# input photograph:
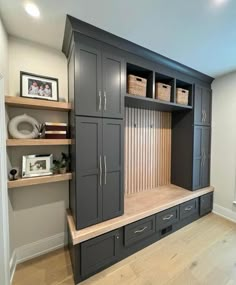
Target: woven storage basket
(163, 92)
(182, 96)
(137, 85)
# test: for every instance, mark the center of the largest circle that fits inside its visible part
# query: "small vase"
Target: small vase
(62, 170)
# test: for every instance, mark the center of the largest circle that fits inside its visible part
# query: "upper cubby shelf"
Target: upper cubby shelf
(149, 103)
(21, 102)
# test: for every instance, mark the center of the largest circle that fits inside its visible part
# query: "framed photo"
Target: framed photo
(37, 165)
(38, 87)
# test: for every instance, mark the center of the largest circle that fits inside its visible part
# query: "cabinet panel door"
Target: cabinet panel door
(88, 80)
(202, 106)
(206, 105)
(113, 86)
(113, 152)
(198, 114)
(88, 171)
(197, 173)
(99, 252)
(205, 182)
(206, 152)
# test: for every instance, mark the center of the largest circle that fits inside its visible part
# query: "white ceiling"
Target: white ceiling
(198, 33)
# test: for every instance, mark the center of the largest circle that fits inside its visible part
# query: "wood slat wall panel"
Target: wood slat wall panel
(147, 149)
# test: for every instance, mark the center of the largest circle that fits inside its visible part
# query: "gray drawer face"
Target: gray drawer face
(206, 203)
(139, 230)
(167, 217)
(189, 208)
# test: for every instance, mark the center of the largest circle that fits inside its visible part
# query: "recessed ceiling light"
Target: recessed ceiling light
(220, 2)
(32, 10)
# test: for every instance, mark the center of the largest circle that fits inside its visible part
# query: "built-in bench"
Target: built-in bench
(148, 217)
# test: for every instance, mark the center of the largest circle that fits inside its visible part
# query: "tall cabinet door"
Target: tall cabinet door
(197, 158)
(88, 171)
(113, 86)
(113, 152)
(88, 89)
(206, 105)
(206, 150)
(201, 159)
(202, 105)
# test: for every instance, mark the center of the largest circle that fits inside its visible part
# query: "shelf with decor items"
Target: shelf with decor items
(20, 102)
(37, 142)
(22, 182)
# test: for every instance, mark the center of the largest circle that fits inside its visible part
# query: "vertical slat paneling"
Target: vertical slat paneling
(147, 149)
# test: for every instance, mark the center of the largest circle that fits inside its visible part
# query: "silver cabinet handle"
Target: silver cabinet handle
(188, 208)
(202, 116)
(105, 100)
(140, 231)
(100, 100)
(168, 217)
(205, 115)
(105, 168)
(100, 166)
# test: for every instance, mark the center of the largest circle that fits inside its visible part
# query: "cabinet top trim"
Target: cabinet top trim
(76, 25)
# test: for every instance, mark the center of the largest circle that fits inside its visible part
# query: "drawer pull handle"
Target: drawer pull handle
(188, 208)
(168, 217)
(140, 231)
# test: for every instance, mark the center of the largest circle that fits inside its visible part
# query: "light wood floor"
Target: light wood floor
(202, 253)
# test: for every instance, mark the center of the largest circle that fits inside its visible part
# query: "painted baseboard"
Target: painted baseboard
(41, 247)
(35, 249)
(224, 212)
(13, 263)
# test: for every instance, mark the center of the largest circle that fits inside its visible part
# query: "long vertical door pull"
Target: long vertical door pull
(105, 170)
(100, 166)
(105, 100)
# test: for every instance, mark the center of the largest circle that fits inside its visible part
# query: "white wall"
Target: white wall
(39, 211)
(223, 164)
(4, 55)
(4, 215)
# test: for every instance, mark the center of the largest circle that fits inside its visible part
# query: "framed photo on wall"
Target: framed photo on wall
(37, 165)
(38, 87)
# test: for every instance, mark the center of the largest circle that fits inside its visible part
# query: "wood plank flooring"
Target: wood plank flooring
(203, 253)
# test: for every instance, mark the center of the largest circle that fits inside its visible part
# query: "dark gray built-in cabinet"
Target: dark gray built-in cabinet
(191, 143)
(98, 66)
(99, 79)
(99, 169)
(96, 91)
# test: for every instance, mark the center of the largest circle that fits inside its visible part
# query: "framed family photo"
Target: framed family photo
(37, 165)
(38, 87)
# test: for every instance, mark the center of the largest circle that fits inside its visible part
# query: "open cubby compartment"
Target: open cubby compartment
(187, 86)
(144, 73)
(161, 78)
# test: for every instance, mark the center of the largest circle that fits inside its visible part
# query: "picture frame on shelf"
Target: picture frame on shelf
(39, 87)
(37, 165)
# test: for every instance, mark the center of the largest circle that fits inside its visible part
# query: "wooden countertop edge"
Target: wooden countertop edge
(79, 236)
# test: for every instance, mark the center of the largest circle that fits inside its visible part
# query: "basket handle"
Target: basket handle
(138, 79)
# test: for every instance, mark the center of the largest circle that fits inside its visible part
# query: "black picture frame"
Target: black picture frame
(45, 80)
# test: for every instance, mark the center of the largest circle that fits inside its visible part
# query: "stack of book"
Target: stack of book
(55, 130)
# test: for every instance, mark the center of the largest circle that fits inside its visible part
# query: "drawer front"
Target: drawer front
(167, 217)
(206, 204)
(99, 253)
(139, 230)
(189, 208)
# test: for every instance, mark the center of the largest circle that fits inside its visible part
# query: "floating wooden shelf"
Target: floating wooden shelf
(39, 180)
(149, 103)
(32, 142)
(21, 102)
